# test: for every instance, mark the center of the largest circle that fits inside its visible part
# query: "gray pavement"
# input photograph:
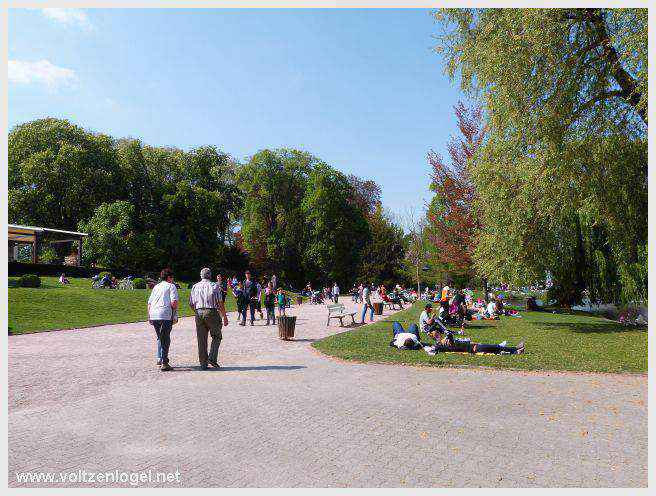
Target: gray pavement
(281, 414)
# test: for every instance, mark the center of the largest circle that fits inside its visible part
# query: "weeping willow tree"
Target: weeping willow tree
(561, 178)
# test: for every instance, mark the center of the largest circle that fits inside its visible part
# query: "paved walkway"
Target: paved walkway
(281, 414)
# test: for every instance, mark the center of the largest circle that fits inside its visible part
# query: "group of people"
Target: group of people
(328, 293)
(444, 339)
(248, 295)
(458, 305)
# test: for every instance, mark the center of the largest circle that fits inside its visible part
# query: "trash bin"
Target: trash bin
(378, 308)
(286, 325)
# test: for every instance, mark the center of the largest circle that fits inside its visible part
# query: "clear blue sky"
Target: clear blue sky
(361, 89)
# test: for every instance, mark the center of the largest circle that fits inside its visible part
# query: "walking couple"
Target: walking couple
(206, 299)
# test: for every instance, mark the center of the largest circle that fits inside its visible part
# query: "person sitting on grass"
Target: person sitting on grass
(63, 279)
(445, 340)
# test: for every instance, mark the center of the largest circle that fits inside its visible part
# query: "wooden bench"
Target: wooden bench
(337, 311)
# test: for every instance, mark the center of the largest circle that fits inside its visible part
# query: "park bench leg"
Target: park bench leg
(328, 323)
(341, 322)
(353, 318)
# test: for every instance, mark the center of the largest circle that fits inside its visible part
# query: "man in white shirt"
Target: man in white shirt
(206, 299)
(162, 303)
(427, 319)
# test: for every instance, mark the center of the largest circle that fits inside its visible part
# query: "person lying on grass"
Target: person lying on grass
(405, 340)
(445, 340)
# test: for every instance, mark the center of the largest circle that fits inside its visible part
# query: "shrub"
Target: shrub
(48, 256)
(29, 281)
(103, 274)
(139, 283)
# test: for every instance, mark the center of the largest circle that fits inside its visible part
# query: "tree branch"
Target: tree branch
(627, 83)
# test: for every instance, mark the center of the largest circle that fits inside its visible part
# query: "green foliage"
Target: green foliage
(382, 256)
(115, 240)
(29, 281)
(336, 231)
(273, 185)
(299, 218)
(103, 274)
(139, 283)
(151, 207)
(58, 173)
(47, 255)
(561, 178)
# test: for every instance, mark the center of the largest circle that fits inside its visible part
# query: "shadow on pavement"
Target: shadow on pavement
(246, 367)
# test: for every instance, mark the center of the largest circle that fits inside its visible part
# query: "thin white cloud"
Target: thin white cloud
(40, 72)
(69, 17)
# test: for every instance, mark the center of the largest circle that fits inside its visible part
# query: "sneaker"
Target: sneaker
(165, 367)
(242, 323)
(503, 343)
(159, 362)
(215, 364)
(203, 367)
(252, 323)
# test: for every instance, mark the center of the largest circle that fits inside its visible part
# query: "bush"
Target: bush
(29, 281)
(48, 256)
(103, 274)
(139, 283)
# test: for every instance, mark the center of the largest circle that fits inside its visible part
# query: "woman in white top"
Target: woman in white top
(162, 304)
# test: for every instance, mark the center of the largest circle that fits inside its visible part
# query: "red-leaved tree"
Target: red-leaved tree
(452, 220)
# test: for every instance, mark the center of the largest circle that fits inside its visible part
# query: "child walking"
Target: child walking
(281, 303)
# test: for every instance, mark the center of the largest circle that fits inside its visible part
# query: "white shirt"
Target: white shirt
(336, 289)
(205, 294)
(424, 326)
(402, 337)
(160, 300)
(491, 308)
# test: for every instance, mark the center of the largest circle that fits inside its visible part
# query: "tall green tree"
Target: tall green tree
(273, 184)
(337, 231)
(383, 254)
(565, 92)
(58, 173)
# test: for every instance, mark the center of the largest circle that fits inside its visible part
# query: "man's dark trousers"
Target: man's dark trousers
(249, 305)
(208, 321)
(163, 331)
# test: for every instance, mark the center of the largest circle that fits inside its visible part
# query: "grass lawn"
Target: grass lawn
(53, 306)
(553, 342)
